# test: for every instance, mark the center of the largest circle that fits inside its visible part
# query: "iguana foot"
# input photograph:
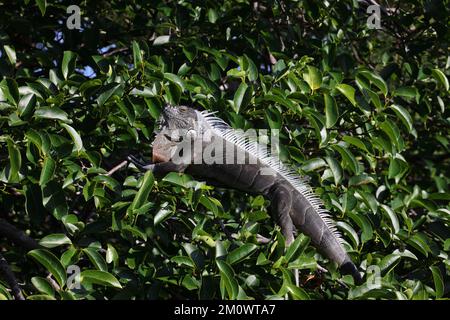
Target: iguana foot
(140, 164)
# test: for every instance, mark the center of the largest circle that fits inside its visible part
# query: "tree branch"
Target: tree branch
(7, 273)
(17, 236)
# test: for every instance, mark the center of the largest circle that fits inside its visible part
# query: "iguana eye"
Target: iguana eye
(173, 138)
(183, 109)
(191, 133)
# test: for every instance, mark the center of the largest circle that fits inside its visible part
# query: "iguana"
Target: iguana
(293, 202)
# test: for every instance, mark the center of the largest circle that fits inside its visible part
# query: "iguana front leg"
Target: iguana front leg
(158, 169)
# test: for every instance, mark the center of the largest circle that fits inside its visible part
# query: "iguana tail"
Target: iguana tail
(297, 207)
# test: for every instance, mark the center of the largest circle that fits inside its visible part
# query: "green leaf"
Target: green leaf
(40, 297)
(190, 52)
(440, 78)
(53, 113)
(348, 92)
(404, 116)
(162, 215)
(70, 256)
(407, 92)
(96, 259)
(389, 262)
(100, 277)
(239, 97)
(33, 204)
(161, 40)
(54, 199)
(313, 164)
(131, 117)
(55, 240)
(349, 231)
(26, 105)
(303, 262)
(111, 254)
(364, 224)
(4, 293)
(331, 110)
(142, 195)
(392, 217)
(356, 142)
(42, 4)
(182, 180)
(439, 196)
(137, 54)
(48, 171)
(88, 87)
(67, 295)
(348, 157)
(393, 133)
(173, 93)
(228, 277)
(297, 293)
(296, 248)
(175, 79)
(374, 98)
(252, 70)
(438, 281)
(241, 253)
(273, 117)
(277, 99)
(11, 53)
(376, 80)
(361, 179)
(43, 286)
(447, 245)
(313, 78)
(397, 167)
(75, 137)
(10, 90)
(135, 231)
(369, 200)
(15, 161)
(68, 63)
(51, 263)
(212, 15)
(419, 243)
(335, 169)
(183, 261)
(108, 91)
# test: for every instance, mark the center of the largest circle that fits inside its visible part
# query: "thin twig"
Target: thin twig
(116, 168)
(114, 51)
(52, 282)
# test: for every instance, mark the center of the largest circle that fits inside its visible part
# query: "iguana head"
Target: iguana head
(179, 117)
(175, 124)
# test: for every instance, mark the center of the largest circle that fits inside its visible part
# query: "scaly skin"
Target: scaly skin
(290, 207)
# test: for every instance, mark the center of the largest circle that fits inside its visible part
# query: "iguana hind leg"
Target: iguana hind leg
(281, 206)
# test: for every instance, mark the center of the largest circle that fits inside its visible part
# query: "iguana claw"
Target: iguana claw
(140, 164)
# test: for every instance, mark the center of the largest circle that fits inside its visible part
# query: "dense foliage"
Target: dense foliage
(363, 112)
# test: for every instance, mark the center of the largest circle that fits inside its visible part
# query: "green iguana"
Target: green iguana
(293, 202)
